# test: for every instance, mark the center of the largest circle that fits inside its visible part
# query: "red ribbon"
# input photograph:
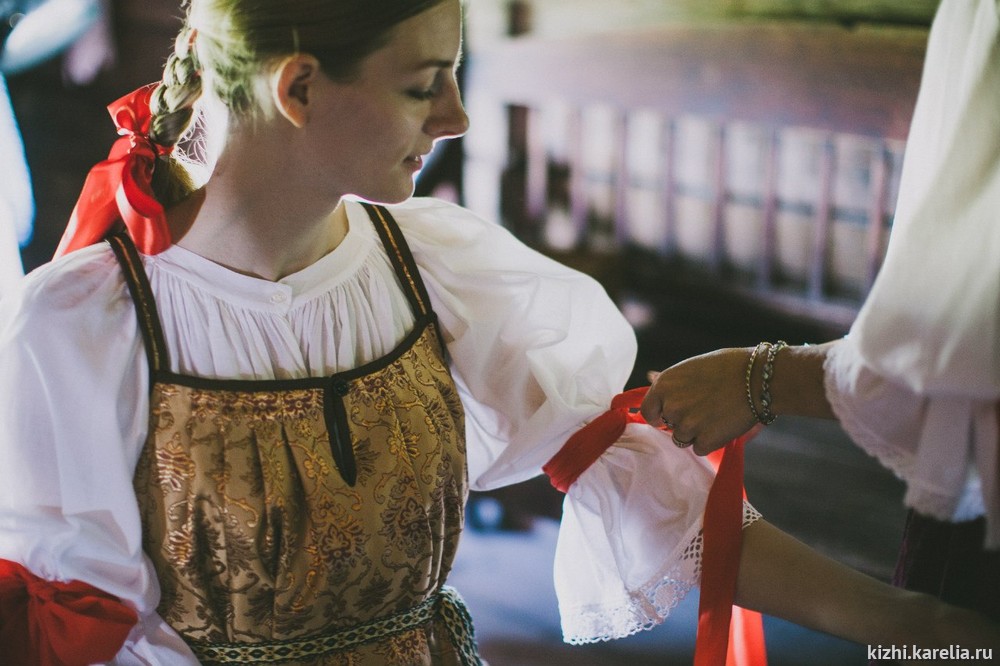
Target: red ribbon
(47, 623)
(120, 187)
(586, 445)
(722, 533)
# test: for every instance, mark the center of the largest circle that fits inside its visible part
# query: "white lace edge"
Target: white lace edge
(899, 462)
(648, 606)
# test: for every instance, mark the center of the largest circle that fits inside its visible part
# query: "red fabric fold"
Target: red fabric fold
(120, 187)
(48, 623)
(727, 636)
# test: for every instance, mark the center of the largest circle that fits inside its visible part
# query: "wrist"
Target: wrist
(798, 383)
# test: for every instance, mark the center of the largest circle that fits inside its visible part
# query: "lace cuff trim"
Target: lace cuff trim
(897, 461)
(650, 605)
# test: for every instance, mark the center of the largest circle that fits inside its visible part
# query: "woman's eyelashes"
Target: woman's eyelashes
(423, 94)
(426, 93)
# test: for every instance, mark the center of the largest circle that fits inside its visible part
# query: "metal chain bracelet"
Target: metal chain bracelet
(766, 415)
(753, 358)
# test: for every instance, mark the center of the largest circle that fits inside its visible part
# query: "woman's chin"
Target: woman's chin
(389, 195)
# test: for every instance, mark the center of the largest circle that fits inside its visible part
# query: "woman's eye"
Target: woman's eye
(429, 92)
(423, 94)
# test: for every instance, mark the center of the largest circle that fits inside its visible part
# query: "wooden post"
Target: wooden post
(718, 248)
(876, 214)
(769, 212)
(822, 222)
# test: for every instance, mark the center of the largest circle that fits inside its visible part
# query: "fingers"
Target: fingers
(652, 405)
(682, 442)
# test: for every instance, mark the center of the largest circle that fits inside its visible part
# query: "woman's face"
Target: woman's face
(372, 133)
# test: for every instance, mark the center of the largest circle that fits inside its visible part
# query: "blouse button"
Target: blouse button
(340, 387)
(277, 298)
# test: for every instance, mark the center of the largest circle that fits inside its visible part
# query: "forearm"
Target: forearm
(783, 577)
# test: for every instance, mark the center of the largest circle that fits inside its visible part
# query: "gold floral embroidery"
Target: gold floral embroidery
(254, 534)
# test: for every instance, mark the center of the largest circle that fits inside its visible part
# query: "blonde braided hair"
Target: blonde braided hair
(172, 108)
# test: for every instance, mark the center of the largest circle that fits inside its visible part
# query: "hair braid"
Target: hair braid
(172, 108)
(173, 100)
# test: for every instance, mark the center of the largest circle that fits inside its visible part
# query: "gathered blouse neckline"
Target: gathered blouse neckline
(329, 271)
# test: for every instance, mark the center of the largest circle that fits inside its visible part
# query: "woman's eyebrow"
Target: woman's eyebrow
(435, 62)
(442, 63)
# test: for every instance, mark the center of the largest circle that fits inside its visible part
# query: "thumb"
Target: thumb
(652, 409)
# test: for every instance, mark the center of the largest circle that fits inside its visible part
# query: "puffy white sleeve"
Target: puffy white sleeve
(538, 350)
(74, 413)
(943, 446)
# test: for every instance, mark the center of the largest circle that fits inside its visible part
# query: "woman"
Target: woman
(916, 383)
(246, 441)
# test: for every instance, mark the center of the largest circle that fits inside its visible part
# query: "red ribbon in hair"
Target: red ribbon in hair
(120, 187)
(47, 623)
(726, 635)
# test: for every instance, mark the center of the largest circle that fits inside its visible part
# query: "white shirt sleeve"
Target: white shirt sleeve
(932, 319)
(943, 447)
(538, 350)
(74, 411)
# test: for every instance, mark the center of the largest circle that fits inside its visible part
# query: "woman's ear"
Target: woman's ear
(291, 87)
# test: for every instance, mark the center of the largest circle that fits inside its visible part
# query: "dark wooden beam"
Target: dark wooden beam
(778, 73)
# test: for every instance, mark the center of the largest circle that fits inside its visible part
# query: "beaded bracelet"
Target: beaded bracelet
(753, 357)
(766, 416)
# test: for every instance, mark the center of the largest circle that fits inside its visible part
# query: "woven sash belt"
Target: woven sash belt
(447, 605)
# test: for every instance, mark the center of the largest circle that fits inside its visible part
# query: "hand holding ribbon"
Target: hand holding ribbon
(120, 187)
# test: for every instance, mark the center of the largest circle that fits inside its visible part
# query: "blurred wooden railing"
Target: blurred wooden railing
(759, 157)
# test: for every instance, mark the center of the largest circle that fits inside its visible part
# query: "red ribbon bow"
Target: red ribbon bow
(718, 621)
(48, 623)
(120, 187)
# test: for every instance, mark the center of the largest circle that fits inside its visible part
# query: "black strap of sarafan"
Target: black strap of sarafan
(401, 258)
(142, 299)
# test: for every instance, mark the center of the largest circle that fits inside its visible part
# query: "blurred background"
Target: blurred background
(726, 168)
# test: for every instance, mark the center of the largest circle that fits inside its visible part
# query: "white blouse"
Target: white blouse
(537, 350)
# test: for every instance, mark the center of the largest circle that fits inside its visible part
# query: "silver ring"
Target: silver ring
(679, 443)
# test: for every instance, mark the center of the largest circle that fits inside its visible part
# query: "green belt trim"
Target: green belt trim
(456, 618)
(446, 604)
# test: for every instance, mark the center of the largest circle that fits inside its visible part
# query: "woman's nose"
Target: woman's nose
(448, 119)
